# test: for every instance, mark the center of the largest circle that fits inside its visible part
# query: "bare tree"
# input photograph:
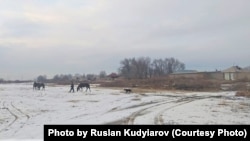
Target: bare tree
(41, 78)
(126, 68)
(102, 74)
(91, 77)
(144, 68)
(173, 65)
(135, 68)
(158, 67)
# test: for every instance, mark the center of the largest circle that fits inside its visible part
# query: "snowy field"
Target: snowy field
(23, 112)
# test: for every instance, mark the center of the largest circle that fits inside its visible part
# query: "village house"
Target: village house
(230, 74)
(236, 73)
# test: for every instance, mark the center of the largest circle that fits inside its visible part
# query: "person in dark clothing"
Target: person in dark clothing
(72, 87)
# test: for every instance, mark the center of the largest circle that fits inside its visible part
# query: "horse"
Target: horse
(37, 86)
(81, 85)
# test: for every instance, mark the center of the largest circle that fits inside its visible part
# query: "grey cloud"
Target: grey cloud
(22, 28)
(89, 36)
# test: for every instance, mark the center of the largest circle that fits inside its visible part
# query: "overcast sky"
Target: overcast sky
(49, 37)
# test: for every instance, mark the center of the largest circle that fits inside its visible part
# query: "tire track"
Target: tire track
(158, 120)
(19, 110)
(16, 114)
(131, 118)
(141, 104)
(154, 105)
(12, 115)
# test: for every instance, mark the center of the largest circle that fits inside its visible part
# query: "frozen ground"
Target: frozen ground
(23, 112)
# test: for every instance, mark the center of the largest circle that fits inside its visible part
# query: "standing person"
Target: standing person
(72, 87)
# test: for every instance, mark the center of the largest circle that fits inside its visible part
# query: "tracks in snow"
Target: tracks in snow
(153, 111)
(14, 115)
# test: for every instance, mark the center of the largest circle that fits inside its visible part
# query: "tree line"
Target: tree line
(130, 68)
(145, 67)
(66, 78)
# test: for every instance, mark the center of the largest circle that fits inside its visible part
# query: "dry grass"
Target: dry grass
(179, 84)
(165, 83)
(196, 84)
(143, 90)
(223, 103)
(243, 93)
(74, 101)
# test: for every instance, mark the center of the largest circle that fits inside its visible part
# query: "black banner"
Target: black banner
(146, 132)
